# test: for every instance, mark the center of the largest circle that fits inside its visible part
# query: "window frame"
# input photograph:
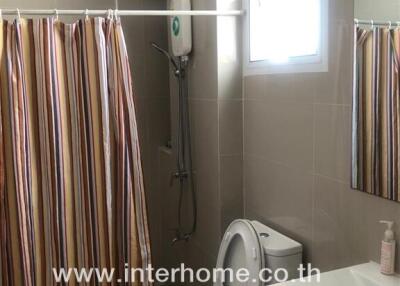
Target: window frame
(300, 64)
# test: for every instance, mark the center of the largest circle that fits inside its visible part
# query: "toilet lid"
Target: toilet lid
(240, 248)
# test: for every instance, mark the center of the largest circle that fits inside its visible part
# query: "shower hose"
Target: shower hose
(184, 152)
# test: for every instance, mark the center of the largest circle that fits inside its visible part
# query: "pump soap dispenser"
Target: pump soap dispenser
(388, 249)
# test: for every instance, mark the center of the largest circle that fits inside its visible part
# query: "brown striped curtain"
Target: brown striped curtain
(71, 184)
(376, 112)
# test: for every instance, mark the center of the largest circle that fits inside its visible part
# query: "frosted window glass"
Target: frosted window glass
(284, 29)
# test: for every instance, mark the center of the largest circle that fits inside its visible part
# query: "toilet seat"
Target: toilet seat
(241, 248)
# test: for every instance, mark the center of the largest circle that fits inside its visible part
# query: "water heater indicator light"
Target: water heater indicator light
(176, 26)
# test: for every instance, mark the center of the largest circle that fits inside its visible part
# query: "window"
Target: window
(285, 36)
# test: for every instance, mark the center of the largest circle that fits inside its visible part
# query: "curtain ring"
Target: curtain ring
(390, 25)
(18, 14)
(357, 22)
(87, 14)
(372, 24)
(56, 14)
(109, 14)
(116, 14)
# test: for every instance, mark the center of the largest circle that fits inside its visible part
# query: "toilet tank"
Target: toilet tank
(279, 251)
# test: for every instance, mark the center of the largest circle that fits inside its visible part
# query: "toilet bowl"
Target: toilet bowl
(256, 247)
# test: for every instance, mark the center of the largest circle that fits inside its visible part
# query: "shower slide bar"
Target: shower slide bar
(377, 23)
(87, 12)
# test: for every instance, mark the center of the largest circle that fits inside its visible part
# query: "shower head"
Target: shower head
(165, 53)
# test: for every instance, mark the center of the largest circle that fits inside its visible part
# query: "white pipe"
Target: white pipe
(124, 12)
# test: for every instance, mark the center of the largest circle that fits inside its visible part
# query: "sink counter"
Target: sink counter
(367, 274)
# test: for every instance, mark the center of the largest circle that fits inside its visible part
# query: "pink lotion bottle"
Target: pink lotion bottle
(388, 249)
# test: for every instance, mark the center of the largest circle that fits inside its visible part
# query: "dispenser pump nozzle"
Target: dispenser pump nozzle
(389, 235)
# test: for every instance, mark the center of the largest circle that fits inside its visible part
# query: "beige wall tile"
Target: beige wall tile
(254, 87)
(25, 4)
(281, 88)
(203, 71)
(279, 132)
(346, 224)
(205, 241)
(341, 10)
(281, 197)
(230, 127)
(292, 119)
(333, 141)
(204, 114)
(371, 9)
(333, 237)
(335, 86)
(231, 189)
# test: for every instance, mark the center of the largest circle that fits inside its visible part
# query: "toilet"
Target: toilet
(254, 246)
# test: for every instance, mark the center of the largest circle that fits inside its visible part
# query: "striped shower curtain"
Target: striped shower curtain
(71, 184)
(376, 112)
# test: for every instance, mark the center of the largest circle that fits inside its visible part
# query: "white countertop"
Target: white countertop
(360, 275)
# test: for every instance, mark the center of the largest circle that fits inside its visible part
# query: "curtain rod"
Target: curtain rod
(123, 12)
(376, 23)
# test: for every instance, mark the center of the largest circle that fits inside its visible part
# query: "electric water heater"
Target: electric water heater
(181, 29)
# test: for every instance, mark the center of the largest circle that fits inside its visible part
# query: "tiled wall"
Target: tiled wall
(201, 250)
(215, 99)
(230, 114)
(297, 158)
